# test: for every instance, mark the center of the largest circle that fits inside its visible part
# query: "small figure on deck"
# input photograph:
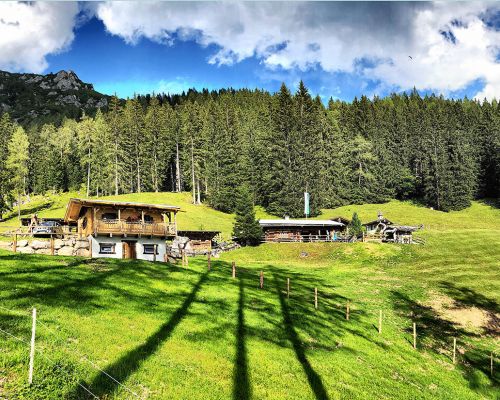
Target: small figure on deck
(34, 222)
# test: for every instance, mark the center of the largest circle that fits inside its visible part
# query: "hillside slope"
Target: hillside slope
(165, 331)
(31, 98)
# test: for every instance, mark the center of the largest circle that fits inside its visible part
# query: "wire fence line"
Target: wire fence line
(353, 307)
(47, 358)
(66, 347)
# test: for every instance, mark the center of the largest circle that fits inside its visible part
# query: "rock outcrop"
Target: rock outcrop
(28, 97)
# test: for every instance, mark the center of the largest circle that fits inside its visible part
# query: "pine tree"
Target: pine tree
(117, 132)
(355, 226)
(6, 131)
(17, 163)
(246, 228)
(86, 145)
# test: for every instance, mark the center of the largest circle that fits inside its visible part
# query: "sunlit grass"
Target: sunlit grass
(169, 332)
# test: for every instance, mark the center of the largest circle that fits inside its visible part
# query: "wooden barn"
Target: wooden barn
(123, 229)
(200, 242)
(300, 230)
(384, 230)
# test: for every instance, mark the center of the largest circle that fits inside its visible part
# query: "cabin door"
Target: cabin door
(129, 249)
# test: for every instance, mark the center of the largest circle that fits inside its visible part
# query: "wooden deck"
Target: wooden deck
(121, 227)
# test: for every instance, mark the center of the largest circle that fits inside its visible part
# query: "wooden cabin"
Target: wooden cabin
(200, 242)
(378, 225)
(300, 230)
(123, 229)
(384, 230)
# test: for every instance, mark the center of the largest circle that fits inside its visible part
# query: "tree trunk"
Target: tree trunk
(116, 169)
(199, 196)
(172, 181)
(192, 171)
(19, 207)
(138, 174)
(88, 177)
(177, 169)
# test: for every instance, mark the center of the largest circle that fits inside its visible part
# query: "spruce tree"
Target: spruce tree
(355, 226)
(246, 230)
(17, 163)
(6, 131)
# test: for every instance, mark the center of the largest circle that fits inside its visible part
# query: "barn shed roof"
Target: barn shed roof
(298, 222)
(381, 220)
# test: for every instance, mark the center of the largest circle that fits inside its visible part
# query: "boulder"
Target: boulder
(69, 242)
(83, 252)
(22, 243)
(5, 245)
(40, 244)
(65, 251)
(82, 244)
(42, 251)
(25, 250)
(58, 243)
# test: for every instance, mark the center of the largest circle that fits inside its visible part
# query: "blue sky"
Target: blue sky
(114, 66)
(340, 50)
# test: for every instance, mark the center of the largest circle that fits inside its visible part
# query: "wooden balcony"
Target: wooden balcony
(121, 227)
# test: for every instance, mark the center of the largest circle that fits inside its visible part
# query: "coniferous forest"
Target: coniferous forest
(440, 152)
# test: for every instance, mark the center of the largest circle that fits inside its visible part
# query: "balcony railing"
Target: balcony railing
(120, 227)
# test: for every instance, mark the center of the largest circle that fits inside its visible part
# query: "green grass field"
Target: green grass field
(164, 331)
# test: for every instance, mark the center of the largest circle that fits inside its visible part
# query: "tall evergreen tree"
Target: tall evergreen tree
(246, 229)
(17, 163)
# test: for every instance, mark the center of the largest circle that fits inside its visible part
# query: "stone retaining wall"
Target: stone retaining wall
(62, 247)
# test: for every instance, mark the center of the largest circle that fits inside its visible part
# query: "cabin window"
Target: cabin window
(109, 216)
(150, 249)
(148, 218)
(106, 248)
(84, 223)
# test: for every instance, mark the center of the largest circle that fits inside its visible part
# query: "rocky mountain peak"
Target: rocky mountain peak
(31, 96)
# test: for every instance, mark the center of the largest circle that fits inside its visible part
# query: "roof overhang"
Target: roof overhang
(299, 223)
(75, 205)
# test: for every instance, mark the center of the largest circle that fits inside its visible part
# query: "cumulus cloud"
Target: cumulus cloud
(31, 31)
(450, 44)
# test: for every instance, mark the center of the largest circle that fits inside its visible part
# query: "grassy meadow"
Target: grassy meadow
(164, 331)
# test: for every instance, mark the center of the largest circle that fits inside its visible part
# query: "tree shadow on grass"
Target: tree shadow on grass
(313, 377)
(126, 365)
(465, 297)
(437, 333)
(81, 281)
(241, 381)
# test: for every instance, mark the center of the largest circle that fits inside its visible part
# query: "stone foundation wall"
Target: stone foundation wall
(62, 247)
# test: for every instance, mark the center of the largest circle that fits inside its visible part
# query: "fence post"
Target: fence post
(316, 298)
(414, 335)
(234, 270)
(347, 311)
(380, 322)
(209, 261)
(32, 352)
(288, 288)
(155, 247)
(454, 349)
(14, 244)
(262, 279)
(51, 245)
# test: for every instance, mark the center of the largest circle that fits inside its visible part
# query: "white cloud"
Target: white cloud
(31, 31)
(335, 36)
